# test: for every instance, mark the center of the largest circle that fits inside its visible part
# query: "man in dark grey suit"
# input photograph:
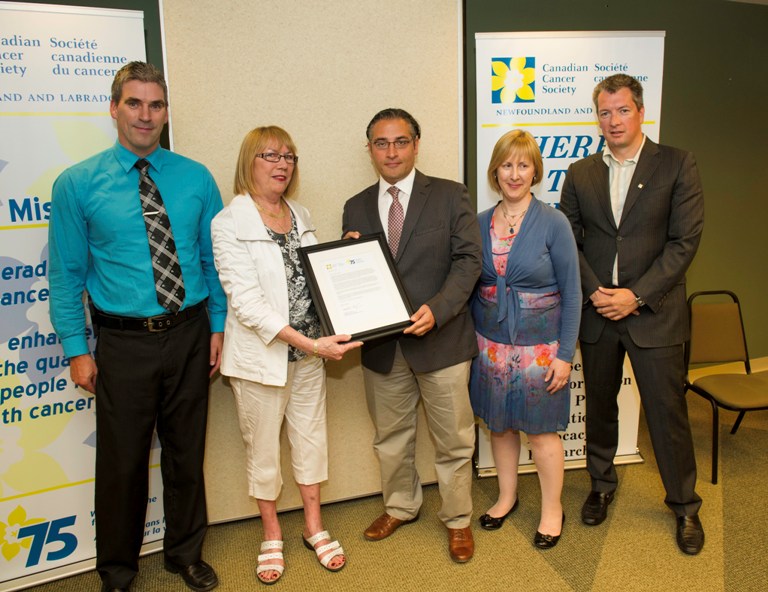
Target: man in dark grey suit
(637, 211)
(432, 231)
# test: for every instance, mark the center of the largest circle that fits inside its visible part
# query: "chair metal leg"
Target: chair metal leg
(715, 439)
(738, 422)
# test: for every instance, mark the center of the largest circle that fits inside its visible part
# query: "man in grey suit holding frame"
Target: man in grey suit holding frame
(432, 232)
(637, 212)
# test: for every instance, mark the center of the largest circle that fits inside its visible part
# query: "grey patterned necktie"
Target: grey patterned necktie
(395, 222)
(169, 284)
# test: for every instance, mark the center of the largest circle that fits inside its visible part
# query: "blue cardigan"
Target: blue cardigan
(543, 259)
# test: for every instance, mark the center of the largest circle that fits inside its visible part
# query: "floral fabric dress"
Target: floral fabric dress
(508, 390)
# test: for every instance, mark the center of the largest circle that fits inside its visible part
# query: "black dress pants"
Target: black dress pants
(659, 373)
(146, 380)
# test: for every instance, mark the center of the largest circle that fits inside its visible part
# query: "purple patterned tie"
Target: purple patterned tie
(396, 218)
(162, 248)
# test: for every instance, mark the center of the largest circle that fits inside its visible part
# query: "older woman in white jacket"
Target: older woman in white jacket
(273, 348)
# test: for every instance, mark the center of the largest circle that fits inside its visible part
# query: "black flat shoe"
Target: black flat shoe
(547, 541)
(491, 523)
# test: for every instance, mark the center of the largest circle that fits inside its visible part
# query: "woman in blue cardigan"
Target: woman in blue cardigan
(526, 309)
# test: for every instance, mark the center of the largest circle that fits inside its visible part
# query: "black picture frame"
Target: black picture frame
(340, 275)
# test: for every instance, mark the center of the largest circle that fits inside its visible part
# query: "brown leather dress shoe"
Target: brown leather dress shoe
(384, 526)
(461, 545)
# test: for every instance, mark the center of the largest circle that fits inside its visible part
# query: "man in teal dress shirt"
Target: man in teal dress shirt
(152, 364)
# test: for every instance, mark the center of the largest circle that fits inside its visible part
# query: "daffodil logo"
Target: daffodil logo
(513, 80)
(10, 543)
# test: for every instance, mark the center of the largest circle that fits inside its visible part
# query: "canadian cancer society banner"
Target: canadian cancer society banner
(56, 68)
(542, 82)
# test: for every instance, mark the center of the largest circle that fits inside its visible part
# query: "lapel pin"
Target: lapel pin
(639, 185)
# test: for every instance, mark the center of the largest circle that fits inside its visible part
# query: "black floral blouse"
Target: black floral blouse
(302, 315)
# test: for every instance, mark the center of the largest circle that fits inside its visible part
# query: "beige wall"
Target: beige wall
(320, 69)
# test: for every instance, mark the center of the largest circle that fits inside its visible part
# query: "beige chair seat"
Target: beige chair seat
(737, 391)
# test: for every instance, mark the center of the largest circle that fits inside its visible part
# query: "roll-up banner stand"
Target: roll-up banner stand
(56, 69)
(542, 82)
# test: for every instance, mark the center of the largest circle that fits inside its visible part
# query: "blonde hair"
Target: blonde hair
(255, 142)
(516, 142)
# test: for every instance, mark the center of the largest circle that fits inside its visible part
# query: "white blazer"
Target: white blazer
(252, 273)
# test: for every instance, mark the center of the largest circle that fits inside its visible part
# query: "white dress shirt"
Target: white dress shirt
(619, 176)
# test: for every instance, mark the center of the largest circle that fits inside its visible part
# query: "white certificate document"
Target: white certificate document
(355, 287)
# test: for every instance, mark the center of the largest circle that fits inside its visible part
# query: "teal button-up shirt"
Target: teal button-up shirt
(98, 240)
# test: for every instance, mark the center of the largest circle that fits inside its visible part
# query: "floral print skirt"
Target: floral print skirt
(508, 391)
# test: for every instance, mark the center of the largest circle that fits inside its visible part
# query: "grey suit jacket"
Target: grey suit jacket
(656, 239)
(439, 260)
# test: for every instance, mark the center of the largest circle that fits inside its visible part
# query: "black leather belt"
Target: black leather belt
(156, 324)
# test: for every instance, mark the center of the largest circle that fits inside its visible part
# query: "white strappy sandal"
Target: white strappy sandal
(332, 549)
(270, 550)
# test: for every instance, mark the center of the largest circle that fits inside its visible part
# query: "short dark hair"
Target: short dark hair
(140, 71)
(615, 83)
(394, 113)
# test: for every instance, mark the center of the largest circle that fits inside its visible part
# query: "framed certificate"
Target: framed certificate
(356, 288)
